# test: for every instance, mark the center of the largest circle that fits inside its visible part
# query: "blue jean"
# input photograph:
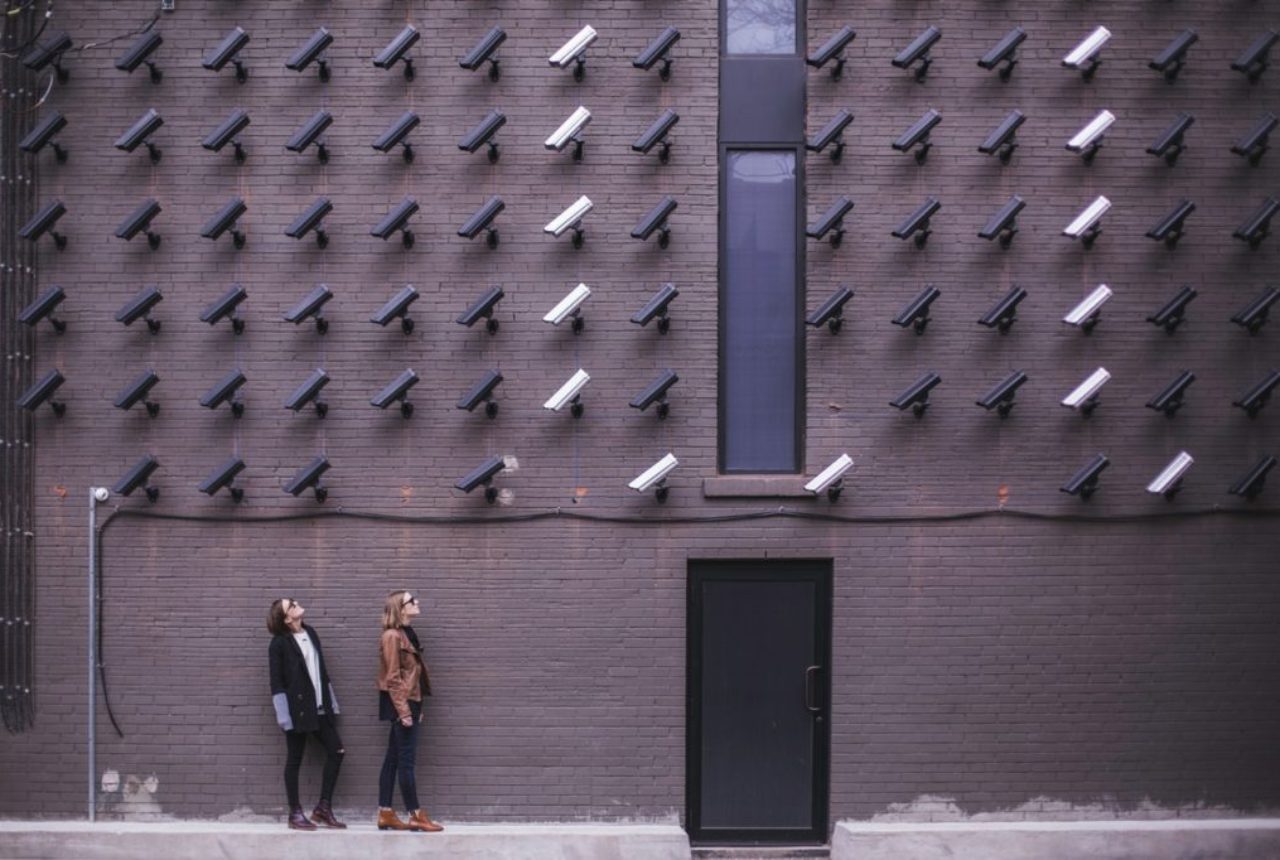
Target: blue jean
(402, 748)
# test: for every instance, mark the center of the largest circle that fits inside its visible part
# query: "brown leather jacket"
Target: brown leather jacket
(402, 672)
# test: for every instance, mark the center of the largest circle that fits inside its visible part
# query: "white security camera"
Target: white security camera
(569, 307)
(1169, 481)
(568, 132)
(655, 476)
(569, 393)
(1085, 226)
(572, 51)
(829, 479)
(1085, 395)
(1088, 139)
(101, 494)
(569, 218)
(1084, 316)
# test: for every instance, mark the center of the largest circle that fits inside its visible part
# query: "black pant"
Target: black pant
(402, 748)
(327, 734)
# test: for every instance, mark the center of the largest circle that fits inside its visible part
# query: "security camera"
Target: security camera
(918, 52)
(397, 220)
(570, 307)
(655, 477)
(140, 308)
(1085, 482)
(225, 219)
(483, 134)
(43, 390)
(224, 476)
(569, 393)
(831, 479)
(1004, 313)
(397, 390)
(1258, 225)
(1169, 144)
(482, 219)
(1169, 398)
(310, 52)
(917, 394)
(1253, 62)
(1084, 397)
(484, 52)
(917, 223)
(656, 392)
(1084, 56)
(482, 476)
(140, 52)
(570, 219)
(44, 222)
(570, 131)
(657, 307)
(310, 133)
(1087, 225)
(311, 305)
(832, 132)
(831, 312)
(1254, 315)
(309, 392)
(226, 52)
(1171, 313)
(139, 477)
(44, 307)
(918, 135)
(139, 221)
(1254, 144)
(397, 133)
(1004, 51)
(49, 53)
(308, 478)
(656, 219)
(312, 219)
(225, 306)
(833, 49)
(227, 132)
(658, 50)
(397, 48)
(1004, 224)
(1002, 141)
(916, 313)
(1169, 228)
(1171, 60)
(1252, 482)
(1000, 398)
(223, 391)
(138, 133)
(42, 135)
(657, 133)
(1257, 396)
(1088, 140)
(573, 51)
(482, 308)
(832, 221)
(1169, 481)
(482, 392)
(1088, 312)
(397, 307)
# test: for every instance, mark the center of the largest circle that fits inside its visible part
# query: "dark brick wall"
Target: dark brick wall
(993, 659)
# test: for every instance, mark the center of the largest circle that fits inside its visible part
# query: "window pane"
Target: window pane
(759, 314)
(760, 26)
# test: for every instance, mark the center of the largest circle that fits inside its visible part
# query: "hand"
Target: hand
(422, 716)
(407, 722)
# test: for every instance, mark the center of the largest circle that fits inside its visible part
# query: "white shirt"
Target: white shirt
(313, 665)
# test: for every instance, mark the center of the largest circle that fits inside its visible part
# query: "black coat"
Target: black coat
(290, 680)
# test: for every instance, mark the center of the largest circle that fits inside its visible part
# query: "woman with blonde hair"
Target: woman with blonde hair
(402, 684)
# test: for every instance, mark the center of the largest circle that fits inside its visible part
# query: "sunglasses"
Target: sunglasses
(408, 601)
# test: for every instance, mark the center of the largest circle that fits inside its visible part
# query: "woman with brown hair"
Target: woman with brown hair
(305, 706)
(402, 684)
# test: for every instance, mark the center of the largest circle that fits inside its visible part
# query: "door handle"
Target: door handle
(810, 689)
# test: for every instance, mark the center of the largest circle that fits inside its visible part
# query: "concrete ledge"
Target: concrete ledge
(187, 840)
(1182, 839)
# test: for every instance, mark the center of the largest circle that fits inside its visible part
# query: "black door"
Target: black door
(758, 699)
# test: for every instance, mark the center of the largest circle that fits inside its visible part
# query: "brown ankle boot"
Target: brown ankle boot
(298, 820)
(387, 820)
(418, 820)
(324, 815)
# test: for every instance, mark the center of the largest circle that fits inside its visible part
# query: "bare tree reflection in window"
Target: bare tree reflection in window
(760, 26)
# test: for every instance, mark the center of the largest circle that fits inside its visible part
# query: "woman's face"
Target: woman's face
(409, 608)
(293, 610)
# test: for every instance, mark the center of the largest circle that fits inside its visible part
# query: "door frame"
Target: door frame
(821, 572)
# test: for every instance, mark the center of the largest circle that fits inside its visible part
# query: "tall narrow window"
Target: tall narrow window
(760, 316)
(760, 26)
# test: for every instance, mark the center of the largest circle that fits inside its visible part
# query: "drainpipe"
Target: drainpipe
(97, 495)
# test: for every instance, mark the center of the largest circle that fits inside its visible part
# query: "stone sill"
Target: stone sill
(755, 487)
